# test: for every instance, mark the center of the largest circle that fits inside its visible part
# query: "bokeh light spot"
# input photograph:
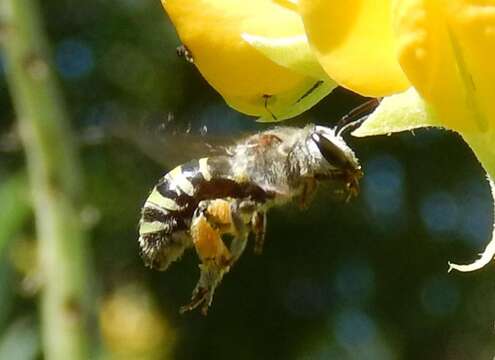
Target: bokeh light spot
(353, 328)
(440, 296)
(475, 213)
(439, 212)
(383, 186)
(354, 282)
(358, 334)
(74, 59)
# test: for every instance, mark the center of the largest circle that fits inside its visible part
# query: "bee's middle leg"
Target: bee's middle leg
(259, 230)
(241, 212)
(309, 189)
(249, 216)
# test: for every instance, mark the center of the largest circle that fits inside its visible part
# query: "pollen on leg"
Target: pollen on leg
(207, 241)
(219, 212)
(215, 258)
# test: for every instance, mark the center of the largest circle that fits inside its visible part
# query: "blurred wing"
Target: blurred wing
(172, 147)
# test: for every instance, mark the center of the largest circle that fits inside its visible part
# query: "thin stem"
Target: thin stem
(53, 170)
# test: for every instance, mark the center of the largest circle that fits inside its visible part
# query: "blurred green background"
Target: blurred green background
(364, 280)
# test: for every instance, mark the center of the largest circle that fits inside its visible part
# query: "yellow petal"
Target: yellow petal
(211, 30)
(445, 48)
(472, 23)
(290, 52)
(354, 43)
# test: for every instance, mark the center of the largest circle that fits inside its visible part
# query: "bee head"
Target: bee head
(336, 159)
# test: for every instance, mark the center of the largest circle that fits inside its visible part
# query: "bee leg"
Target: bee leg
(250, 212)
(259, 229)
(202, 295)
(309, 189)
(215, 258)
(240, 212)
(183, 51)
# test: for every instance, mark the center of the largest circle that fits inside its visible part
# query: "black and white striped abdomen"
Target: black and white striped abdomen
(167, 213)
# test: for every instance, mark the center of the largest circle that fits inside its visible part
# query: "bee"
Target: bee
(200, 203)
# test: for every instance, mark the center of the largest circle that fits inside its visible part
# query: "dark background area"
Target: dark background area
(361, 280)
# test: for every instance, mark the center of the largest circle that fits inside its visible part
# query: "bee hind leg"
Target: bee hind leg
(215, 257)
(212, 219)
(202, 295)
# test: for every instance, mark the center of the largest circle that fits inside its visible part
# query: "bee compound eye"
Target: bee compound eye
(331, 152)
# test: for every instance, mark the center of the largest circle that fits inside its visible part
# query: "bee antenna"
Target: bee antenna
(354, 118)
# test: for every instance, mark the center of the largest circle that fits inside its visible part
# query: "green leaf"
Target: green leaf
(400, 112)
(482, 145)
(291, 52)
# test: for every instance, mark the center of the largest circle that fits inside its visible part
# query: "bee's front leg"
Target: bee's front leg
(308, 192)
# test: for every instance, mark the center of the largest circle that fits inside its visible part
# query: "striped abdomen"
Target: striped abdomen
(166, 215)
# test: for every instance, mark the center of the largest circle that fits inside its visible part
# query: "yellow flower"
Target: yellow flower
(354, 44)
(443, 48)
(240, 47)
(256, 54)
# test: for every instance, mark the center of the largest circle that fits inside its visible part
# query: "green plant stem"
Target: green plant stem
(54, 178)
(14, 207)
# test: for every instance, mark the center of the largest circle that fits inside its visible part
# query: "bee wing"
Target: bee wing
(169, 147)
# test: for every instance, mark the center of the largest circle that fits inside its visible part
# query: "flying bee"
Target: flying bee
(201, 202)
